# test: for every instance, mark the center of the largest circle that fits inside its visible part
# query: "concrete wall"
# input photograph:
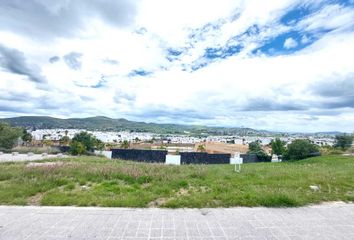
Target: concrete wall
(107, 154)
(173, 159)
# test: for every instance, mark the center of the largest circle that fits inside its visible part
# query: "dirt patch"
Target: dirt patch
(45, 165)
(35, 200)
(157, 202)
(182, 192)
(331, 203)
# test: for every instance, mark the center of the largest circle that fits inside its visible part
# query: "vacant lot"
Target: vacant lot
(94, 181)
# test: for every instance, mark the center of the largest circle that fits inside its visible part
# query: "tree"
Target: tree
(256, 148)
(301, 149)
(9, 135)
(278, 146)
(343, 141)
(89, 142)
(65, 140)
(125, 144)
(26, 136)
(100, 145)
(77, 148)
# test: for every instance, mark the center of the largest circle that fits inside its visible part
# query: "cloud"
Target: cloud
(262, 104)
(14, 61)
(124, 97)
(42, 19)
(139, 72)
(335, 86)
(290, 43)
(111, 61)
(276, 65)
(73, 60)
(54, 59)
(336, 92)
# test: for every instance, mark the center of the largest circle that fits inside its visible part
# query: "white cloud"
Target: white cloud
(290, 43)
(224, 92)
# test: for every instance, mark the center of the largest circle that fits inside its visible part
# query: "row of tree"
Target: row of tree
(299, 148)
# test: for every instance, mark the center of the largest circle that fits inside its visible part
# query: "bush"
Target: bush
(9, 135)
(343, 142)
(26, 136)
(329, 150)
(77, 148)
(256, 148)
(85, 142)
(301, 149)
(278, 146)
(64, 141)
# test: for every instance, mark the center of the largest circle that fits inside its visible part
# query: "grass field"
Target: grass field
(94, 181)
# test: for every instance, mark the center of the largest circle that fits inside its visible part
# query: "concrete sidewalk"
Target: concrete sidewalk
(330, 221)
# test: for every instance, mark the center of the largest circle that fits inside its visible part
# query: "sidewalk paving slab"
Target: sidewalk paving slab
(327, 221)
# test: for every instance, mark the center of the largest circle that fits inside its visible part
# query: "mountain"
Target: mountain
(101, 123)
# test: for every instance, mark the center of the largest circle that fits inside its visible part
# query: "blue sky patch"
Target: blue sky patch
(296, 15)
(286, 43)
(301, 11)
(197, 66)
(212, 53)
(100, 83)
(139, 72)
(253, 30)
(173, 54)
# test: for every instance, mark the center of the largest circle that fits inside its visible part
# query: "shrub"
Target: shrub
(278, 146)
(65, 140)
(256, 148)
(301, 149)
(89, 142)
(9, 135)
(329, 150)
(77, 148)
(26, 136)
(343, 141)
(125, 144)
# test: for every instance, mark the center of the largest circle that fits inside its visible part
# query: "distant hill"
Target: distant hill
(108, 124)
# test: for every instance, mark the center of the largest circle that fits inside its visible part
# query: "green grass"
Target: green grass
(94, 181)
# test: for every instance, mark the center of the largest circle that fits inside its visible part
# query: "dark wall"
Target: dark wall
(204, 158)
(138, 155)
(253, 158)
(249, 158)
(64, 149)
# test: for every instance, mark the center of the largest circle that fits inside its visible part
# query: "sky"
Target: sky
(281, 65)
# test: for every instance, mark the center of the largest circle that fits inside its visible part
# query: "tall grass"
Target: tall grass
(94, 181)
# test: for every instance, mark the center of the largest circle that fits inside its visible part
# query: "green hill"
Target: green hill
(101, 123)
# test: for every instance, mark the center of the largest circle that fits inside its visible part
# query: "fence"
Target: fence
(64, 149)
(159, 156)
(152, 156)
(204, 158)
(253, 158)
